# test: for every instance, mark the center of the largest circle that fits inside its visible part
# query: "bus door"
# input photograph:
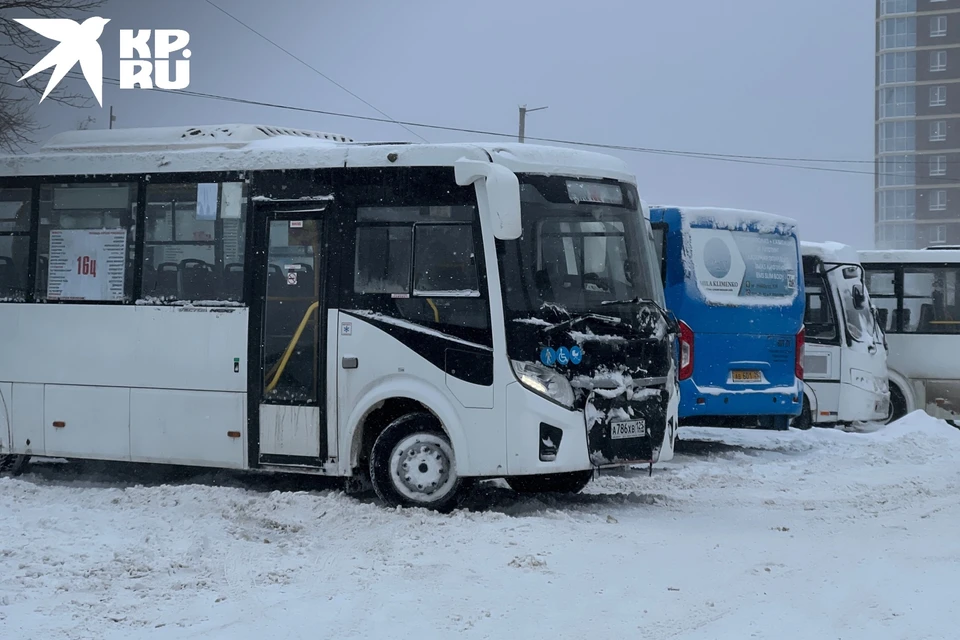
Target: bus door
(291, 341)
(822, 343)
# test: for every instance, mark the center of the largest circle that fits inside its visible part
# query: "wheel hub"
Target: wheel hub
(421, 467)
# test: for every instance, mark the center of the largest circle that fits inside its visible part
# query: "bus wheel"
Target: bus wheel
(803, 421)
(572, 482)
(898, 405)
(412, 465)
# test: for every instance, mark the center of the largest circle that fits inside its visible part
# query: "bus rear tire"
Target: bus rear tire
(572, 482)
(412, 464)
(898, 404)
(805, 420)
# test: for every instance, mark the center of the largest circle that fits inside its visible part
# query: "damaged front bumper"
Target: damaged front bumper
(628, 425)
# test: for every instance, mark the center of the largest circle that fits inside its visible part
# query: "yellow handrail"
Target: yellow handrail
(293, 343)
(436, 312)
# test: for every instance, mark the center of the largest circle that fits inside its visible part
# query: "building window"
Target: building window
(938, 200)
(939, 235)
(938, 26)
(897, 204)
(897, 136)
(938, 165)
(194, 242)
(898, 102)
(895, 236)
(898, 67)
(892, 7)
(938, 96)
(938, 61)
(896, 171)
(898, 33)
(938, 131)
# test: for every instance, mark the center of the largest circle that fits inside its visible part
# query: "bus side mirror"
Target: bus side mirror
(858, 298)
(498, 195)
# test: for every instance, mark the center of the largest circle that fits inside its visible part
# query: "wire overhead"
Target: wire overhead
(310, 66)
(768, 161)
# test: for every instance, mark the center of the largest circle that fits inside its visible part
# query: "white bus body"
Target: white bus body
(845, 360)
(248, 297)
(918, 297)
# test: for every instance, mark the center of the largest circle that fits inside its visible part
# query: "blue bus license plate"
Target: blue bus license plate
(746, 376)
(628, 429)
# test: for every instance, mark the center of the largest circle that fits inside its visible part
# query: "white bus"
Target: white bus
(918, 297)
(845, 357)
(249, 297)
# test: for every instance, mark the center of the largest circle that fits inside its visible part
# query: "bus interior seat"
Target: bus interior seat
(9, 278)
(196, 280)
(927, 316)
(901, 320)
(882, 316)
(166, 283)
(232, 281)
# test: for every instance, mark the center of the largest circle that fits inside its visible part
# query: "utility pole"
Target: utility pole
(113, 118)
(523, 120)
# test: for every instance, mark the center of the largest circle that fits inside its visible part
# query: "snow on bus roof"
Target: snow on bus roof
(733, 219)
(830, 251)
(244, 147)
(907, 256)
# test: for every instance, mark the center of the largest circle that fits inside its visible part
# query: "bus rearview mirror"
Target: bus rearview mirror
(498, 194)
(858, 298)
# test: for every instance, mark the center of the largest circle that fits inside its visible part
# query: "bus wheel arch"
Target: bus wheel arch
(901, 396)
(412, 464)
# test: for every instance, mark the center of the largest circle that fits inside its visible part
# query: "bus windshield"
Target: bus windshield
(580, 251)
(733, 267)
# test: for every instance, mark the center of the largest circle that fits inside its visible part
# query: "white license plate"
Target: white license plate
(628, 429)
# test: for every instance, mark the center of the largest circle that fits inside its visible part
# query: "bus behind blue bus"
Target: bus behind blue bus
(733, 280)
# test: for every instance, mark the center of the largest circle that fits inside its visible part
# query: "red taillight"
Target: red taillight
(799, 365)
(686, 351)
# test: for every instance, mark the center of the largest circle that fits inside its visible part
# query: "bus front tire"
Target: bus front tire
(898, 404)
(572, 482)
(412, 464)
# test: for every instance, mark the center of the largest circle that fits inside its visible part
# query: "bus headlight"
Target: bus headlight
(544, 382)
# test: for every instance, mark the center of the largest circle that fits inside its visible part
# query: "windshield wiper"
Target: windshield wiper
(667, 317)
(581, 318)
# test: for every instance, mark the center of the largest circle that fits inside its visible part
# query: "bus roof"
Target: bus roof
(245, 147)
(731, 218)
(921, 256)
(830, 251)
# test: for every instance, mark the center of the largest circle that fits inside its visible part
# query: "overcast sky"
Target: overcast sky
(743, 77)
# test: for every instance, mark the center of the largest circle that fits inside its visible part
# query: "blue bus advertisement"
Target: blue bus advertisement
(733, 280)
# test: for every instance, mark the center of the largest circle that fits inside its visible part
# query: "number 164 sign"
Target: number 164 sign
(87, 266)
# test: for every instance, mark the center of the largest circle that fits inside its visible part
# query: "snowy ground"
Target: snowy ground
(821, 534)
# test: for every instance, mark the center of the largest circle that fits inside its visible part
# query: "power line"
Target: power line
(309, 66)
(768, 161)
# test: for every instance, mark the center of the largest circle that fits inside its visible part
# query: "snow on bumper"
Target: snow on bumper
(721, 401)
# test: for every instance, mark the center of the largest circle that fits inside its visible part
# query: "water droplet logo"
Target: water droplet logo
(717, 258)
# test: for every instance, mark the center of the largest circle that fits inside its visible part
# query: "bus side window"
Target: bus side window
(930, 294)
(880, 285)
(15, 206)
(194, 248)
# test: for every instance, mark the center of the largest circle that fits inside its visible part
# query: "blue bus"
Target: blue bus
(733, 279)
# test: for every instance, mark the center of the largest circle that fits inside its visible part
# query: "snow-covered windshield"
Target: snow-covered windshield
(582, 245)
